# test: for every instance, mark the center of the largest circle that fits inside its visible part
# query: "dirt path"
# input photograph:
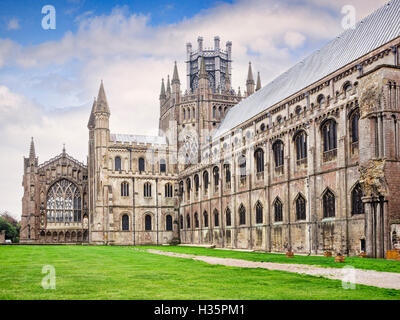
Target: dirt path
(387, 280)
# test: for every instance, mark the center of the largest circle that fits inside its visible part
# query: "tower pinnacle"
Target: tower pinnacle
(102, 104)
(168, 86)
(258, 87)
(162, 93)
(250, 81)
(175, 76)
(32, 153)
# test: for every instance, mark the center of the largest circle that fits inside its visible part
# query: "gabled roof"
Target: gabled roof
(63, 155)
(377, 29)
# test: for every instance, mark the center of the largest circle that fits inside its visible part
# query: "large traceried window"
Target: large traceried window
(64, 202)
(259, 212)
(278, 210)
(328, 200)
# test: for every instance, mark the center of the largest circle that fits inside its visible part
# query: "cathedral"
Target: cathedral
(309, 162)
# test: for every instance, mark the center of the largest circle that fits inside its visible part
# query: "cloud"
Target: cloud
(13, 24)
(53, 83)
(294, 39)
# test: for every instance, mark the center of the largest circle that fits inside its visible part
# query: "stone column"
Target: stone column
(378, 230)
(369, 234)
(386, 229)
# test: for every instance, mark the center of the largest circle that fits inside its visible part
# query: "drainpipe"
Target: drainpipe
(133, 210)
(157, 207)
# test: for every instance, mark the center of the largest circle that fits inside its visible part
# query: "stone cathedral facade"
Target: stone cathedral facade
(310, 162)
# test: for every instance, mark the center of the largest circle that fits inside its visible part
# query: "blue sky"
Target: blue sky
(29, 15)
(48, 78)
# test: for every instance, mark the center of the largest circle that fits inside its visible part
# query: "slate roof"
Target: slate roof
(372, 32)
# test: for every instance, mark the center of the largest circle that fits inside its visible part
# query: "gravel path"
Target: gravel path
(388, 280)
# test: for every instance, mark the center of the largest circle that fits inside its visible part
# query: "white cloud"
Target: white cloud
(294, 39)
(13, 24)
(131, 57)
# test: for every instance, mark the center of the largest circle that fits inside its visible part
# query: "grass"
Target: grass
(356, 262)
(101, 272)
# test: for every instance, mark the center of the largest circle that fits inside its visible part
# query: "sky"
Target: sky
(49, 77)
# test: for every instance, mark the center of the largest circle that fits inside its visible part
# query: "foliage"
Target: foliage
(12, 230)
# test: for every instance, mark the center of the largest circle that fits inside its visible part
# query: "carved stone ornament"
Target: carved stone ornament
(372, 178)
(371, 91)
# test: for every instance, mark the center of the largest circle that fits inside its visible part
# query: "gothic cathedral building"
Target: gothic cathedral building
(310, 162)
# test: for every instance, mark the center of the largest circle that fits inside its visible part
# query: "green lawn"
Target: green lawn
(356, 262)
(101, 272)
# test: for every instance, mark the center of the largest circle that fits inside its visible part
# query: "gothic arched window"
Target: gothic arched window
(196, 182)
(188, 187)
(329, 135)
(205, 219)
(168, 190)
(301, 145)
(196, 220)
(242, 166)
(64, 202)
(125, 222)
(357, 205)
(259, 212)
(354, 118)
(227, 168)
(181, 221)
(216, 177)
(117, 164)
(328, 200)
(205, 181)
(277, 148)
(216, 218)
(259, 158)
(188, 221)
(168, 222)
(141, 165)
(300, 208)
(278, 210)
(242, 214)
(147, 222)
(228, 217)
(124, 189)
(321, 100)
(147, 190)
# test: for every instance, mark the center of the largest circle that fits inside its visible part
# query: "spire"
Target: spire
(239, 93)
(102, 104)
(250, 79)
(258, 87)
(202, 73)
(32, 154)
(162, 93)
(175, 76)
(168, 86)
(250, 82)
(63, 150)
(91, 122)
